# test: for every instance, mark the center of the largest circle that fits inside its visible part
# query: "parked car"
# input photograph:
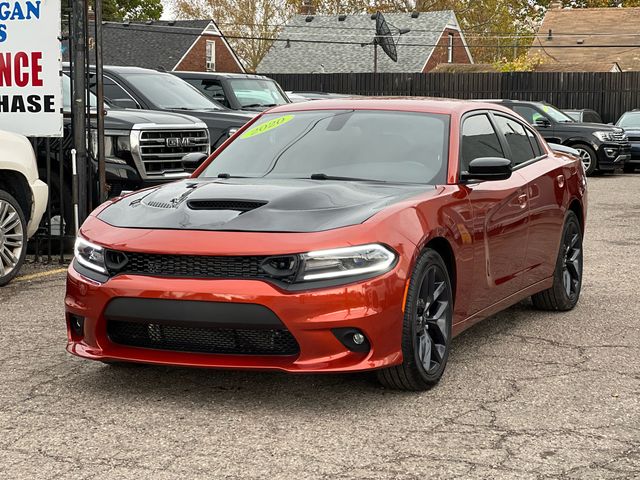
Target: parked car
(133, 87)
(142, 148)
(237, 91)
(630, 121)
(584, 115)
(23, 200)
(321, 95)
(602, 147)
(334, 236)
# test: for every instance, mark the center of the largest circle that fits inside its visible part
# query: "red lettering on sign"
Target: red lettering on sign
(21, 70)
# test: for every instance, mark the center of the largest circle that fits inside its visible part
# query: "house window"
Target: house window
(210, 56)
(450, 49)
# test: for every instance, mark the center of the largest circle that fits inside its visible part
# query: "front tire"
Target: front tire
(426, 332)
(13, 237)
(589, 158)
(567, 277)
(629, 169)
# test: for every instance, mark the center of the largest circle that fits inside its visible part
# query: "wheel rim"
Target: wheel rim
(432, 317)
(572, 261)
(585, 157)
(11, 238)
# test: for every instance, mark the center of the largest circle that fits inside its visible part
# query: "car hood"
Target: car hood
(590, 127)
(125, 119)
(226, 115)
(256, 205)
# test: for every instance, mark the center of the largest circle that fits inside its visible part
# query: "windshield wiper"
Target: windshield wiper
(253, 105)
(324, 176)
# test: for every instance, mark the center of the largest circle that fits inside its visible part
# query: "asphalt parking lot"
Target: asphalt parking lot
(527, 394)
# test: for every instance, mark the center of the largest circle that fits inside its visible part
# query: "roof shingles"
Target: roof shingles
(316, 57)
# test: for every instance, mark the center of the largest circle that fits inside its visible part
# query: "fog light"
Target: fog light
(352, 338)
(76, 323)
(610, 152)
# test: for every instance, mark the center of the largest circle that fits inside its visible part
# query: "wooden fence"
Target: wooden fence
(610, 94)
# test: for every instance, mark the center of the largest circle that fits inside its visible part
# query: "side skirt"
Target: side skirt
(460, 327)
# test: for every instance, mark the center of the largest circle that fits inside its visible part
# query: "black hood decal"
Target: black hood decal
(256, 205)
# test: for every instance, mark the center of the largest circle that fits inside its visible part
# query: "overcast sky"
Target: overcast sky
(167, 12)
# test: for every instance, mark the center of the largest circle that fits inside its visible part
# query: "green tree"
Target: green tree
(118, 10)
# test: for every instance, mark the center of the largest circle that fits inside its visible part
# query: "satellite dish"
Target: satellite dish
(384, 37)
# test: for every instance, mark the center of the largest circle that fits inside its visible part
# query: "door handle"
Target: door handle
(522, 200)
(560, 180)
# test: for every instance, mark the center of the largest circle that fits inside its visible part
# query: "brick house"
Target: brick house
(344, 44)
(196, 45)
(586, 37)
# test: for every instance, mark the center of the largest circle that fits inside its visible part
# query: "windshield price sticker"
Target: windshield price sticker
(266, 126)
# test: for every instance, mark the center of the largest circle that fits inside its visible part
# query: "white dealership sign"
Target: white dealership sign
(30, 65)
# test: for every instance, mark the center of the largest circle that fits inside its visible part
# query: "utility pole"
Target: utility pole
(78, 105)
(102, 181)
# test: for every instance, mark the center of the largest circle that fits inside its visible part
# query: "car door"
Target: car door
(500, 217)
(545, 191)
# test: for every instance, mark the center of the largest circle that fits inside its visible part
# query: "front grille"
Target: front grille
(192, 266)
(618, 136)
(161, 151)
(203, 340)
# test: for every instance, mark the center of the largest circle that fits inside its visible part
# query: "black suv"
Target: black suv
(630, 121)
(237, 91)
(601, 147)
(142, 148)
(134, 87)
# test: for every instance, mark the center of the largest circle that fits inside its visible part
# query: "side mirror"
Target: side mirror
(542, 122)
(488, 168)
(191, 161)
(124, 102)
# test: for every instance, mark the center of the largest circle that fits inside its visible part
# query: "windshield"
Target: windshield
(66, 95)
(629, 120)
(555, 114)
(395, 147)
(169, 92)
(257, 92)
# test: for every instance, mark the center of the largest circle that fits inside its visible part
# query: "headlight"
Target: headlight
(117, 149)
(349, 261)
(605, 136)
(89, 255)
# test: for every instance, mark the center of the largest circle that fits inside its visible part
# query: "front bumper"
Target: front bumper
(634, 158)
(613, 155)
(374, 307)
(40, 192)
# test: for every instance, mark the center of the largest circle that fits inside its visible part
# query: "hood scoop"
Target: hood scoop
(224, 204)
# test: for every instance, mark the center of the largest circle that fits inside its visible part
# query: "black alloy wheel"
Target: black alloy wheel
(426, 335)
(567, 279)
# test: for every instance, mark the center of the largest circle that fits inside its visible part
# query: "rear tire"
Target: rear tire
(13, 237)
(567, 277)
(426, 332)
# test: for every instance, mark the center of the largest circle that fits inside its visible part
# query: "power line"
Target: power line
(345, 42)
(285, 26)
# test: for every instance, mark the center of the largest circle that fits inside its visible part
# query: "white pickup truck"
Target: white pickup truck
(23, 200)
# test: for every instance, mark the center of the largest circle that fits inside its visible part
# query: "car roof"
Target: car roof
(403, 104)
(192, 74)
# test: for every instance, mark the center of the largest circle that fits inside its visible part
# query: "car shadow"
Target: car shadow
(239, 389)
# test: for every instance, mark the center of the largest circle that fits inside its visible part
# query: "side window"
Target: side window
(212, 89)
(479, 139)
(517, 138)
(537, 149)
(113, 91)
(592, 117)
(531, 115)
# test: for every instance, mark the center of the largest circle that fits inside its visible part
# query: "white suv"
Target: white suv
(23, 200)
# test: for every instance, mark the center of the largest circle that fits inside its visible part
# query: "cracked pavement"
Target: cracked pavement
(526, 394)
